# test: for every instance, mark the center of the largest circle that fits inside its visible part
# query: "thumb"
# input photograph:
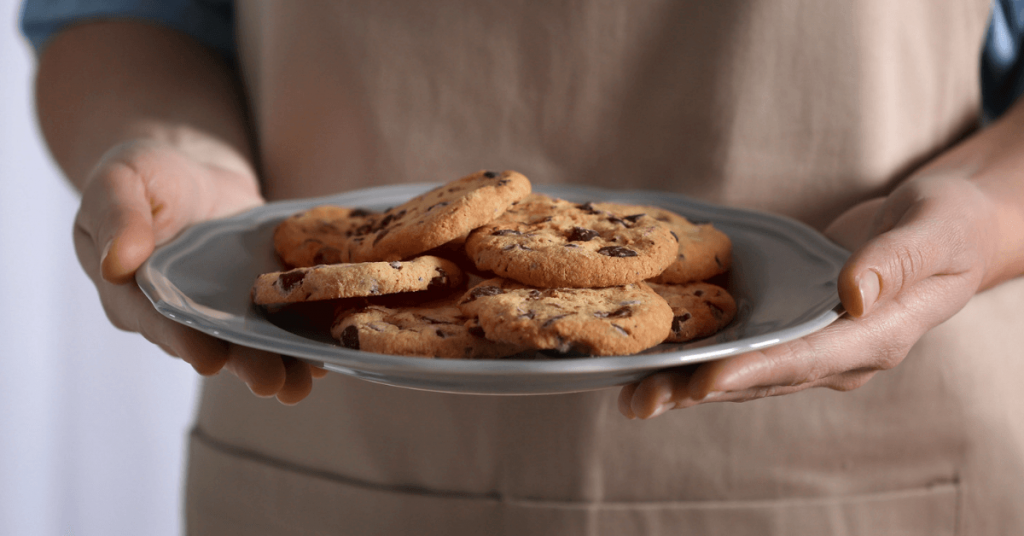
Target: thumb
(117, 214)
(919, 246)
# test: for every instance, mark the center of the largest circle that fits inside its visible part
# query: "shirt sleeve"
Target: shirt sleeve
(211, 22)
(1002, 58)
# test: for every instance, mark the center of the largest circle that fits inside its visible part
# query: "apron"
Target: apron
(797, 107)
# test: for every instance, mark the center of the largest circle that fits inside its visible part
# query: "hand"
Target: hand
(919, 256)
(141, 195)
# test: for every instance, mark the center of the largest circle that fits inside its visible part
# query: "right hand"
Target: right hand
(141, 195)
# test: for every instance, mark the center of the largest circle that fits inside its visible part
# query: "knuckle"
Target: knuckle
(803, 360)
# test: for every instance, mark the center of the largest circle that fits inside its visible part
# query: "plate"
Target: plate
(783, 277)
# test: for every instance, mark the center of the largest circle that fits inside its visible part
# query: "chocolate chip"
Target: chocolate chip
(476, 331)
(395, 264)
(633, 218)
(503, 182)
(677, 322)
(440, 333)
(350, 337)
(506, 232)
(388, 218)
(622, 312)
(621, 330)
(360, 213)
(698, 293)
(579, 234)
(588, 208)
(327, 255)
(528, 314)
(617, 251)
(289, 280)
(571, 245)
(479, 292)
(440, 280)
(491, 174)
(551, 320)
(716, 310)
(381, 234)
(616, 219)
(533, 294)
(435, 205)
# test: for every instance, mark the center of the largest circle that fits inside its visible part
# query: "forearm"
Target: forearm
(100, 84)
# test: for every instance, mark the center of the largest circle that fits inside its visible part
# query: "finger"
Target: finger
(317, 372)
(626, 400)
(846, 345)
(128, 309)
(262, 371)
(925, 241)
(656, 394)
(115, 215)
(298, 383)
(846, 381)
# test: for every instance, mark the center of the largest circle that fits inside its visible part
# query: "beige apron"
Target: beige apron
(794, 106)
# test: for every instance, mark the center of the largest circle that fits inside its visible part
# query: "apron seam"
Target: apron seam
(233, 450)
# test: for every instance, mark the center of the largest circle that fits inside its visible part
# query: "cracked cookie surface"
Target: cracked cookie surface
(331, 281)
(552, 243)
(320, 235)
(436, 329)
(446, 213)
(608, 321)
(704, 251)
(698, 309)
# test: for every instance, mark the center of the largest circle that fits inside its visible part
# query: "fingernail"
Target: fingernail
(662, 408)
(869, 285)
(106, 251)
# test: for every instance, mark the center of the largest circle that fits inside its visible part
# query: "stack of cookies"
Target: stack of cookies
(482, 267)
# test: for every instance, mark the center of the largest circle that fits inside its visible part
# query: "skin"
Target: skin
(153, 151)
(952, 229)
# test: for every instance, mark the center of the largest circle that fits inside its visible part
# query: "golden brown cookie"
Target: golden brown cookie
(698, 309)
(704, 251)
(547, 242)
(327, 282)
(446, 213)
(320, 235)
(436, 329)
(619, 320)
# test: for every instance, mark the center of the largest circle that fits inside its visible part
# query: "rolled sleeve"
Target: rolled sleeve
(211, 22)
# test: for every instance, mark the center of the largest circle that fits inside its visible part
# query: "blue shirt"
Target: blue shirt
(211, 22)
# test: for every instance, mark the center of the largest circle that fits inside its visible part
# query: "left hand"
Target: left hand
(919, 255)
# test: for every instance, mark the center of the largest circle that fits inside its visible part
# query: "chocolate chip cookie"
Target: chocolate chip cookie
(704, 251)
(435, 329)
(439, 216)
(547, 242)
(618, 320)
(331, 281)
(320, 235)
(698, 309)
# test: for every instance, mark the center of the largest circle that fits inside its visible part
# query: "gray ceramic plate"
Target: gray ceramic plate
(783, 277)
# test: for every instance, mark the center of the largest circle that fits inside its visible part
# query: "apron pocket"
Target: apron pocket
(231, 492)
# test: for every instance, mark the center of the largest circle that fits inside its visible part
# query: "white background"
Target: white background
(92, 420)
